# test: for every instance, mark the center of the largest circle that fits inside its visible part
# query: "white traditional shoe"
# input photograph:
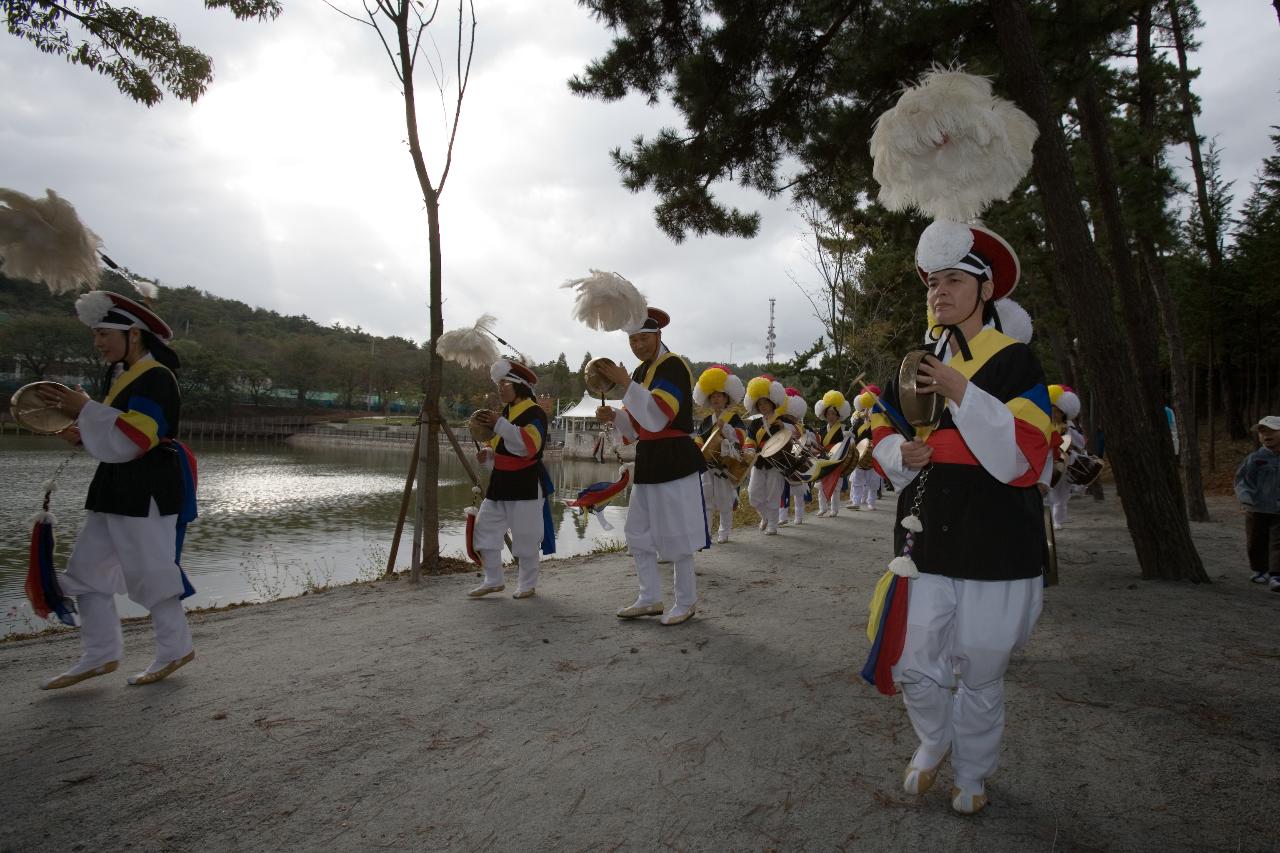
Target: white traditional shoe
(483, 590)
(763, 524)
(968, 803)
(871, 507)
(784, 522)
(822, 513)
(677, 615)
(525, 593)
(639, 609)
(798, 521)
(151, 676)
(722, 538)
(772, 531)
(71, 677)
(918, 780)
(1057, 526)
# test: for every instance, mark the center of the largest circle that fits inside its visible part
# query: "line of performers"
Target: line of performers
(971, 552)
(783, 456)
(970, 537)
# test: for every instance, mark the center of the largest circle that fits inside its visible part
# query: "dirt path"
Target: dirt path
(1141, 717)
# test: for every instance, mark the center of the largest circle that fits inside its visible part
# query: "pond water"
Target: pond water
(273, 518)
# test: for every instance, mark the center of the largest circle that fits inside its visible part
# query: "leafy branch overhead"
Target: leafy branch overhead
(144, 54)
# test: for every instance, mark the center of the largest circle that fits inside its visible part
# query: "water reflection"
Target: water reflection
(273, 518)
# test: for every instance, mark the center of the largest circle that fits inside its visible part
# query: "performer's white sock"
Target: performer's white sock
(101, 639)
(173, 634)
(977, 720)
(492, 563)
(686, 583)
(648, 577)
(528, 578)
(929, 708)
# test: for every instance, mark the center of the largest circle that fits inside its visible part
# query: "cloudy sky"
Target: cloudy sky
(288, 185)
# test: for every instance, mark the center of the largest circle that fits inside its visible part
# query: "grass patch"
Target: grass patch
(607, 546)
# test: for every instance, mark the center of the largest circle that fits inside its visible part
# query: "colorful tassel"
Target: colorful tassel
(42, 587)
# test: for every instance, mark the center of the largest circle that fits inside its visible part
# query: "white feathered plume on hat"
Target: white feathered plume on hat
(470, 347)
(607, 301)
(1014, 320)
(949, 147)
(43, 240)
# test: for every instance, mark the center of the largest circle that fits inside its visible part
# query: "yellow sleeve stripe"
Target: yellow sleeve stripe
(667, 400)
(1028, 411)
(532, 437)
(140, 429)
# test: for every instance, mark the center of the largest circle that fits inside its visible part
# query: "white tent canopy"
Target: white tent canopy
(586, 408)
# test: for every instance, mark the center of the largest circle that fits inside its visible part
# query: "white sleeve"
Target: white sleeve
(640, 403)
(986, 425)
(622, 423)
(888, 452)
(102, 438)
(513, 436)
(1046, 474)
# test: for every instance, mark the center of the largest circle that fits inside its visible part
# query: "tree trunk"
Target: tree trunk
(1180, 381)
(426, 534)
(1146, 477)
(1154, 271)
(1137, 309)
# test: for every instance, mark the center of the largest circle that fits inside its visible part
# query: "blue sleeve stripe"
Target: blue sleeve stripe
(151, 409)
(1040, 396)
(668, 386)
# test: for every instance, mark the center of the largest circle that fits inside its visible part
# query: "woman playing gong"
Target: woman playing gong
(130, 540)
(972, 483)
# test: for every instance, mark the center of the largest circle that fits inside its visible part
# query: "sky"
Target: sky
(288, 185)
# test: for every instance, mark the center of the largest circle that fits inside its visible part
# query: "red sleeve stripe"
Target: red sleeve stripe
(1032, 443)
(134, 434)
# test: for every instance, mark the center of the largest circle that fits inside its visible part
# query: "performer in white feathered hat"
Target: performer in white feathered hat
(970, 538)
(719, 389)
(518, 497)
(666, 512)
(766, 399)
(141, 497)
(519, 494)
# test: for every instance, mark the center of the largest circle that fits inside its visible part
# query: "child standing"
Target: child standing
(1258, 490)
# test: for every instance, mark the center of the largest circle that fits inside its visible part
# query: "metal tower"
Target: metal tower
(771, 339)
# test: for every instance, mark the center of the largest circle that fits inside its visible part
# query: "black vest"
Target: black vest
(522, 484)
(976, 527)
(711, 421)
(662, 460)
(127, 488)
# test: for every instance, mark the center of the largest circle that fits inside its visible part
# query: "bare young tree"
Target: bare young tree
(836, 256)
(401, 26)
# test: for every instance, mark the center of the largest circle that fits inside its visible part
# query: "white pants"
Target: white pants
(121, 554)
(668, 518)
(719, 493)
(1058, 496)
(524, 520)
(960, 634)
(864, 487)
(764, 491)
(797, 503)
